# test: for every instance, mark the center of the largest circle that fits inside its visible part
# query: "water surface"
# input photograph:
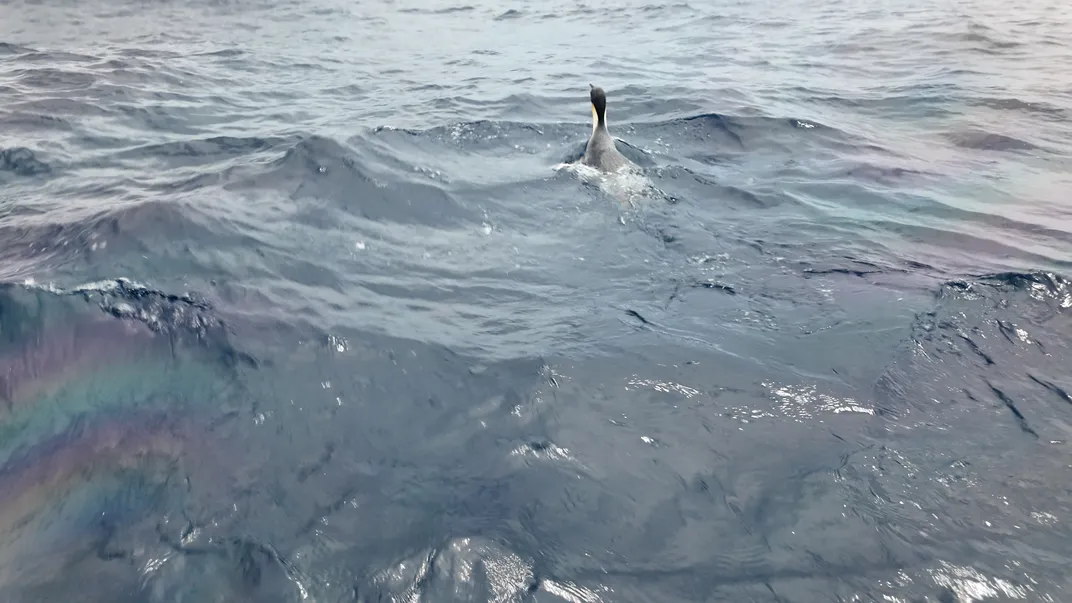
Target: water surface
(297, 304)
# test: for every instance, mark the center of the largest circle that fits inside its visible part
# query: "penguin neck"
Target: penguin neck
(599, 122)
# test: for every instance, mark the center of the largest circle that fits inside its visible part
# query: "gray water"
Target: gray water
(299, 302)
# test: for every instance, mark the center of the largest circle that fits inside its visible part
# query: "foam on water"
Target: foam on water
(629, 187)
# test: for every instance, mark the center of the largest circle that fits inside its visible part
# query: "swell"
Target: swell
(81, 233)
(324, 175)
(323, 198)
(519, 152)
(9, 49)
(981, 140)
(205, 150)
(874, 201)
(1015, 107)
(990, 343)
(319, 176)
(961, 247)
(52, 70)
(22, 161)
(736, 129)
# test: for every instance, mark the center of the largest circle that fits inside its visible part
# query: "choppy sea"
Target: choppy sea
(302, 302)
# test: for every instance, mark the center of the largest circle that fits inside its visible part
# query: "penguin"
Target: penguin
(601, 152)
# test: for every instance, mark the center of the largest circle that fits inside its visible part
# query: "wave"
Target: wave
(33, 122)
(988, 347)
(9, 49)
(331, 179)
(510, 14)
(201, 150)
(243, 568)
(1017, 106)
(519, 151)
(989, 141)
(960, 247)
(54, 79)
(326, 179)
(985, 39)
(38, 242)
(439, 11)
(22, 162)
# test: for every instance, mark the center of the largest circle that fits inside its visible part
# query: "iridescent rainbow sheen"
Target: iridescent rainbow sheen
(100, 420)
(55, 376)
(56, 497)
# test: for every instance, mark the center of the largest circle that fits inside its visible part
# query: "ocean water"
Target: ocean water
(301, 301)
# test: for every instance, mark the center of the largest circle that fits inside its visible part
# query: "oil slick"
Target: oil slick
(108, 426)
